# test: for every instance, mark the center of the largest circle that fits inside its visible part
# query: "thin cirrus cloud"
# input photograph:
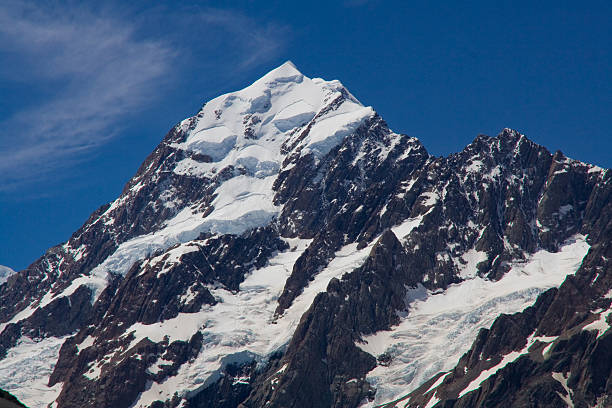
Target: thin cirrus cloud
(103, 66)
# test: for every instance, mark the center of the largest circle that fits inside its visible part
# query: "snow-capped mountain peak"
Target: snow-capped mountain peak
(284, 72)
(284, 247)
(239, 142)
(247, 128)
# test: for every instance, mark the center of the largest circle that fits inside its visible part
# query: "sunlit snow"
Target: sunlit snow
(31, 362)
(600, 325)
(441, 327)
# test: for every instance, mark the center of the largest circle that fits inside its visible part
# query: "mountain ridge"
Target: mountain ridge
(292, 177)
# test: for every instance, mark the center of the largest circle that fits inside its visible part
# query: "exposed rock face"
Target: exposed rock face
(323, 346)
(320, 203)
(564, 341)
(268, 237)
(8, 400)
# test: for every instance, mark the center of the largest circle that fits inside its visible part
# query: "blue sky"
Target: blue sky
(87, 90)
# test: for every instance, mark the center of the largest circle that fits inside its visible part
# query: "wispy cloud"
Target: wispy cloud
(99, 70)
(235, 38)
(102, 65)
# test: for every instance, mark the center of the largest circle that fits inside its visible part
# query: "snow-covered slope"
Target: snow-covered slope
(283, 247)
(440, 326)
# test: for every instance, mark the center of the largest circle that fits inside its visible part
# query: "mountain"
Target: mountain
(283, 247)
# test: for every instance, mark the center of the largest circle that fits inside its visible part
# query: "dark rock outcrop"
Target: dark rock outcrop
(337, 200)
(8, 400)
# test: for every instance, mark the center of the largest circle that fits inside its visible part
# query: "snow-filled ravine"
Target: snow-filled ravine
(440, 327)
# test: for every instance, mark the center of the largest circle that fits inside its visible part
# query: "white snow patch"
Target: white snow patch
(188, 296)
(26, 369)
(407, 185)
(469, 262)
(181, 327)
(385, 150)
(95, 370)
(439, 329)
(429, 198)
(600, 325)
(172, 256)
(78, 253)
(432, 401)
(87, 342)
(567, 398)
(5, 272)
(405, 154)
(331, 130)
(404, 229)
(347, 259)
(546, 350)
(595, 169)
(438, 382)
(157, 367)
(494, 173)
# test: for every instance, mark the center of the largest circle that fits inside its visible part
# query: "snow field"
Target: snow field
(440, 327)
(31, 362)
